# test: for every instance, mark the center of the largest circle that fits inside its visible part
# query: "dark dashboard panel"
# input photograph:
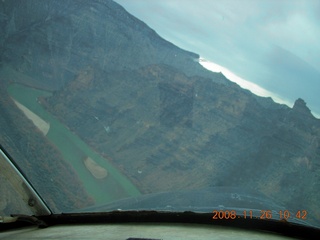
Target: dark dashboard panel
(137, 231)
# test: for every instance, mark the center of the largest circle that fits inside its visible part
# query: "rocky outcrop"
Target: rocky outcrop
(191, 132)
(300, 108)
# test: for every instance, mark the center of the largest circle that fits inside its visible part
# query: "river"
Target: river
(115, 186)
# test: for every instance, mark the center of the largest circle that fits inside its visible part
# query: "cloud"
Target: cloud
(254, 88)
(244, 36)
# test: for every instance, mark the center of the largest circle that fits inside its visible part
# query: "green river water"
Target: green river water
(73, 149)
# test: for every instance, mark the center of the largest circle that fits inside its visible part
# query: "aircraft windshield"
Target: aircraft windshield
(205, 106)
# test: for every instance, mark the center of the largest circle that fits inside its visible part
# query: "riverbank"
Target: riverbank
(114, 187)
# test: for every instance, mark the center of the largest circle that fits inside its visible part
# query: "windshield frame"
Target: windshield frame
(23, 188)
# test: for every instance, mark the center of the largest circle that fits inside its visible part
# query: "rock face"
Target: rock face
(166, 122)
(53, 41)
(300, 107)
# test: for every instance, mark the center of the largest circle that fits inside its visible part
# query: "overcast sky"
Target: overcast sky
(272, 43)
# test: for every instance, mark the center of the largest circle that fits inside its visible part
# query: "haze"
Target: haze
(272, 44)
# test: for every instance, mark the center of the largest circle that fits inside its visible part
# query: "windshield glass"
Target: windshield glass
(205, 106)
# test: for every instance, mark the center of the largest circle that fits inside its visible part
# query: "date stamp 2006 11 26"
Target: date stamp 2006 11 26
(264, 214)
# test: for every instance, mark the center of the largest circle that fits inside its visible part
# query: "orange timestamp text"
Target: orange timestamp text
(263, 214)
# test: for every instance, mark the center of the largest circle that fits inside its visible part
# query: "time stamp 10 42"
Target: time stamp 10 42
(263, 214)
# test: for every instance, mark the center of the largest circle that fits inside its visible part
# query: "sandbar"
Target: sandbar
(96, 170)
(42, 125)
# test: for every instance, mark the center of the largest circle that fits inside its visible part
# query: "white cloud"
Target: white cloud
(241, 36)
(252, 87)
(298, 34)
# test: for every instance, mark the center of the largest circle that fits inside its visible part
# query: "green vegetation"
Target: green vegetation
(74, 150)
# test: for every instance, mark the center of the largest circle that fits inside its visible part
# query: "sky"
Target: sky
(272, 45)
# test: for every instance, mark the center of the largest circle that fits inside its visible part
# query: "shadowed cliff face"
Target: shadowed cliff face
(168, 131)
(148, 107)
(53, 41)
